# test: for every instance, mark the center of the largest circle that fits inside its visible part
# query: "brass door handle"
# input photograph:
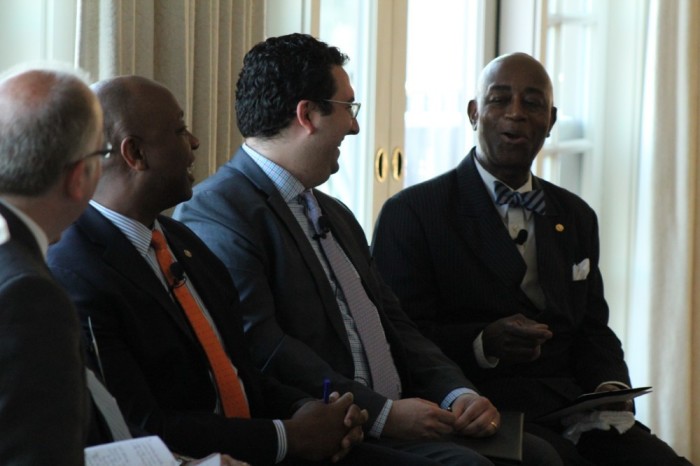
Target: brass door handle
(380, 165)
(397, 167)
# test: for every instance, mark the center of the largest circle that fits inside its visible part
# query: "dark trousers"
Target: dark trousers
(636, 447)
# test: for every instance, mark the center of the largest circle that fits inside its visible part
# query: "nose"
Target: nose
(515, 109)
(194, 142)
(354, 127)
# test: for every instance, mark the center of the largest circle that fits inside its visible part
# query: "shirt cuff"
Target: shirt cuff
(453, 395)
(281, 440)
(485, 362)
(613, 382)
(378, 426)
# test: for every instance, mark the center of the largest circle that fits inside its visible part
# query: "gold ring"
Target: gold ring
(493, 423)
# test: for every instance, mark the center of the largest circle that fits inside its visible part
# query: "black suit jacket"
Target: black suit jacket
(291, 315)
(443, 248)
(43, 399)
(152, 361)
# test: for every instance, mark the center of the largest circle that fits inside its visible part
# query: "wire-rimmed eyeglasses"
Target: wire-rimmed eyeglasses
(353, 107)
(104, 153)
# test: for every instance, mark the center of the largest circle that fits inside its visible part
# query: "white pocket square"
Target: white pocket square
(580, 270)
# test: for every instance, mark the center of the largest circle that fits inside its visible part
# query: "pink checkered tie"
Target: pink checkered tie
(385, 378)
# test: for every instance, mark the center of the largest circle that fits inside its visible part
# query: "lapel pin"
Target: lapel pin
(559, 227)
(188, 253)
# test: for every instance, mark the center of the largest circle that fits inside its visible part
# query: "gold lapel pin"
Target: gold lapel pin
(188, 253)
(559, 227)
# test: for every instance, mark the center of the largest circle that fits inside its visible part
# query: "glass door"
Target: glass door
(413, 65)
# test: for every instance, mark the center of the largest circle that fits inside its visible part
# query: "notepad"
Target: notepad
(143, 451)
(589, 401)
(505, 445)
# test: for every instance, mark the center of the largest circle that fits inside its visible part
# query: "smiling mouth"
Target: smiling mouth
(514, 138)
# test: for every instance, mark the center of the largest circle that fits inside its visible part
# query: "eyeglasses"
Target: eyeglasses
(353, 107)
(104, 153)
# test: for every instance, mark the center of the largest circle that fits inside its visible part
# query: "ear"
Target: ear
(305, 109)
(81, 179)
(552, 119)
(473, 112)
(132, 153)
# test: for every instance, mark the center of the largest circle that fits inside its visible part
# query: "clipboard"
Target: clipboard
(590, 401)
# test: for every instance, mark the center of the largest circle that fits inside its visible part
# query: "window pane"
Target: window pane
(569, 7)
(344, 24)
(441, 70)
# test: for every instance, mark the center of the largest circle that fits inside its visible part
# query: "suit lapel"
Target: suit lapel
(246, 166)
(123, 257)
(482, 227)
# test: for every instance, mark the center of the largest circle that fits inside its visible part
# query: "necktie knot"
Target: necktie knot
(313, 212)
(531, 200)
(158, 241)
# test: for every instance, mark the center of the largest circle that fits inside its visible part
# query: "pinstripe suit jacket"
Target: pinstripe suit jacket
(442, 247)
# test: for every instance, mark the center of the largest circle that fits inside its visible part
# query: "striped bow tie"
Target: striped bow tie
(531, 200)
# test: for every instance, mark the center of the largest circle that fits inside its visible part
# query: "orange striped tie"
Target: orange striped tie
(230, 391)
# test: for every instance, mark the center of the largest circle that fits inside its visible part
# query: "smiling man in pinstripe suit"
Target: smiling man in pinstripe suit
(500, 269)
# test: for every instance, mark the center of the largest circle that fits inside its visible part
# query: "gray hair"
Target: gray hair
(46, 119)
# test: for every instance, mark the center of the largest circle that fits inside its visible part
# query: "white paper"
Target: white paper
(143, 451)
(212, 460)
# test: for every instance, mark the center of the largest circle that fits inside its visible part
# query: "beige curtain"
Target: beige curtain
(194, 47)
(664, 321)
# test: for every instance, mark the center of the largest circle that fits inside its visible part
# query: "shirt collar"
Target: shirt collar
(489, 179)
(38, 233)
(4, 231)
(136, 232)
(289, 187)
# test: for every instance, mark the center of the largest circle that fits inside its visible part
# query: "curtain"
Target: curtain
(194, 47)
(665, 287)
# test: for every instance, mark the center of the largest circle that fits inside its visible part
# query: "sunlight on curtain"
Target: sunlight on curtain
(666, 277)
(195, 48)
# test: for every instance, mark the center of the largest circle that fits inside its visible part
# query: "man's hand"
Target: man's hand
(415, 418)
(476, 416)
(319, 431)
(354, 419)
(225, 461)
(515, 338)
(627, 405)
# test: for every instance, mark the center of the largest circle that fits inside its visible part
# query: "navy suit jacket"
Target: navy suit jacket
(443, 248)
(290, 312)
(152, 361)
(43, 397)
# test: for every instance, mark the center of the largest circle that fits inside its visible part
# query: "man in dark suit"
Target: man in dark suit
(50, 129)
(512, 294)
(305, 318)
(147, 348)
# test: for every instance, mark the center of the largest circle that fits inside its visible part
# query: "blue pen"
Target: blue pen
(326, 390)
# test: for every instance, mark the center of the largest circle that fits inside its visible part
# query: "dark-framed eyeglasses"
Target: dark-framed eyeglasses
(104, 153)
(353, 107)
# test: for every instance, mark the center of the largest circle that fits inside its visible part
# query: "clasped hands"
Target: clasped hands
(471, 415)
(319, 431)
(515, 339)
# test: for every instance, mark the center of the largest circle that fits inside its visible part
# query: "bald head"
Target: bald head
(47, 119)
(128, 105)
(512, 115)
(513, 64)
(153, 167)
